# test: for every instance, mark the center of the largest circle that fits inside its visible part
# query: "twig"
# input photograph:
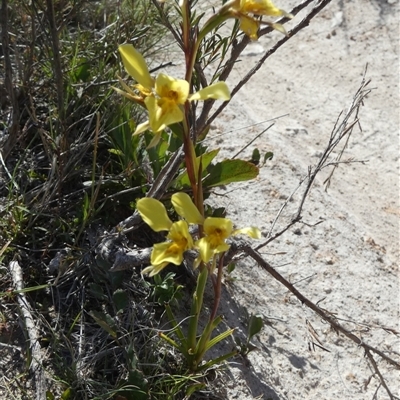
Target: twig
(252, 141)
(204, 120)
(378, 372)
(32, 330)
(8, 81)
(321, 312)
(55, 43)
(342, 129)
(157, 190)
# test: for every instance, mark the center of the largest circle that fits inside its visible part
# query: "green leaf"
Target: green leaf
(231, 267)
(218, 338)
(49, 395)
(66, 394)
(25, 290)
(105, 321)
(120, 298)
(183, 179)
(229, 171)
(268, 156)
(194, 388)
(136, 378)
(97, 291)
(82, 71)
(255, 325)
(255, 157)
(116, 151)
(135, 387)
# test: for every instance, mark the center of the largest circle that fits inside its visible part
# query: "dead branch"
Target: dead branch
(32, 331)
(325, 315)
(158, 188)
(204, 120)
(55, 43)
(10, 90)
(341, 132)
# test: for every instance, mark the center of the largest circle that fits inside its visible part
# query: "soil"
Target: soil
(345, 253)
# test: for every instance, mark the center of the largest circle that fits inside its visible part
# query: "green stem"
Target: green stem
(197, 304)
(190, 159)
(211, 24)
(218, 360)
(217, 287)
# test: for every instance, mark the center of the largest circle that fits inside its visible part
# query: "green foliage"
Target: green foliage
(255, 324)
(193, 348)
(166, 290)
(63, 180)
(229, 171)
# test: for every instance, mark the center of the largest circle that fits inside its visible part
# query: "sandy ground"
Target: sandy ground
(349, 262)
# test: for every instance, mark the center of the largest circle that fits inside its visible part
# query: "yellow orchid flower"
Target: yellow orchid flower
(185, 207)
(163, 97)
(179, 240)
(245, 10)
(217, 230)
(170, 251)
(260, 7)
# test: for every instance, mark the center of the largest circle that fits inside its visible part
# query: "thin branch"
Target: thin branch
(342, 130)
(325, 315)
(55, 43)
(164, 19)
(237, 49)
(32, 331)
(378, 372)
(8, 81)
(252, 141)
(158, 188)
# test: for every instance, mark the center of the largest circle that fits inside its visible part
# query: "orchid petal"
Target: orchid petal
(167, 252)
(217, 91)
(278, 27)
(162, 112)
(176, 90)
(249, 26)
(205, 249)
(141, 128)
(185, 207)
(154, 269)
(128, 95)
(260, 7)
(179, 233)
(218, 228)
(172, 252)
(251, 231)
(154, 141)
(154, 214)
(135, 65)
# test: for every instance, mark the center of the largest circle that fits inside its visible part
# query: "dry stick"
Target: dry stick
(322, 313)
(57, 69)
(8, 80)
(157, 189)
(165, 21)
(378, 372)
(204, 120)
(32, 330)
(252, 141)
(341, 130)
(61, 133)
